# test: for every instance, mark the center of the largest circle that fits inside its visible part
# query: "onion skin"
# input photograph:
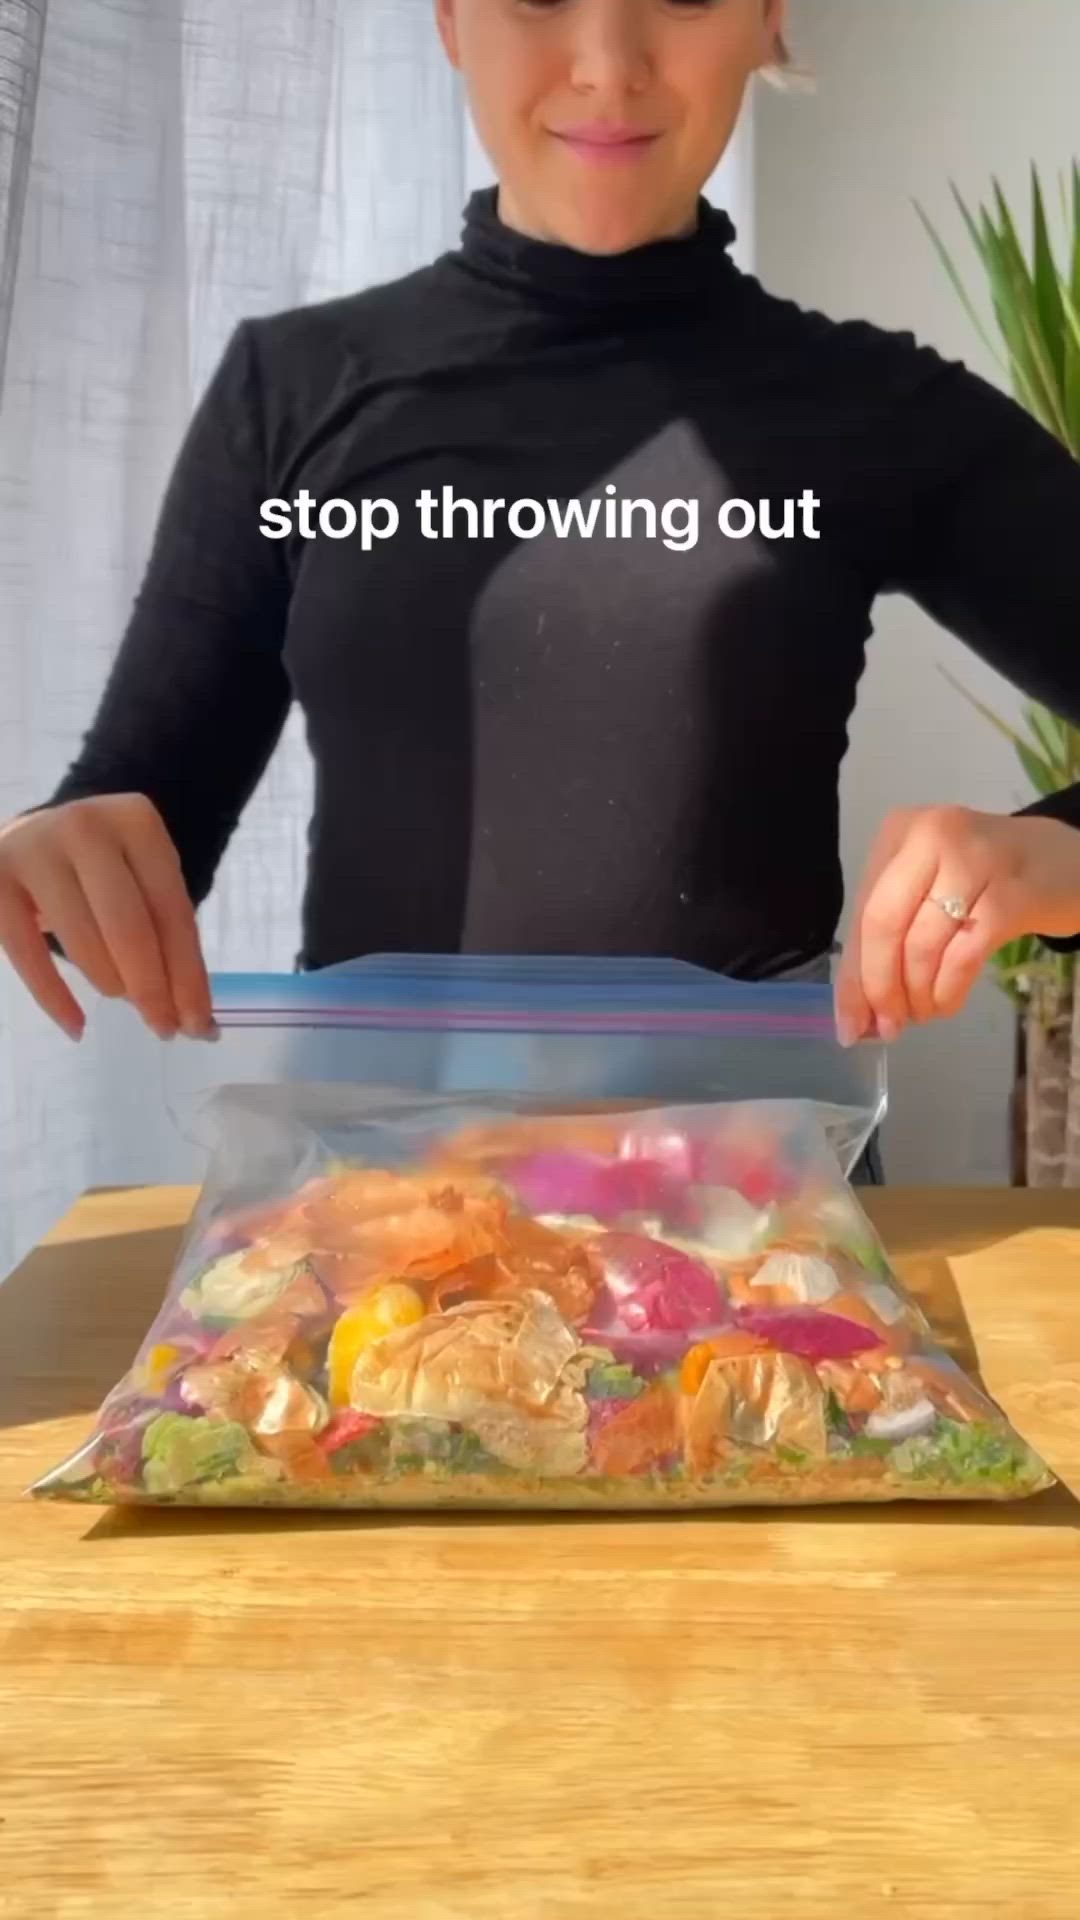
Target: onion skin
(807, 1333)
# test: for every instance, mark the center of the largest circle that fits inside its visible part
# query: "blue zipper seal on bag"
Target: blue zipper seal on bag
(530, 995)
(557, 1030)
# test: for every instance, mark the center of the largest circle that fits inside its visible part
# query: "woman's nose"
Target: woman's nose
(610, 53)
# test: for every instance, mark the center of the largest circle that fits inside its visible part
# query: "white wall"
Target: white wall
(733, 185)
(478, 169)
(913, 94)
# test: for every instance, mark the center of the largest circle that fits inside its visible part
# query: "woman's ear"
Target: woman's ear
(446, 21)
(779, 67)
(776, 23)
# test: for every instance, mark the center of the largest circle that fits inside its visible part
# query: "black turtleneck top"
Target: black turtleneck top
(573, 744)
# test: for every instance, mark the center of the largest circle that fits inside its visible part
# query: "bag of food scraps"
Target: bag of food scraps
(630, 1273)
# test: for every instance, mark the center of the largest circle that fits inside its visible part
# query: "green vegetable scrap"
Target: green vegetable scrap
(417, 1445)
(836, 1419)
(368, 1453)
(610, 1380)
(961, 1454)
(873, 1260)
(864, 1445)
(179, 1452)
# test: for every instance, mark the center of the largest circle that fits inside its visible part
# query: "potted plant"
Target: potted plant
(1036, 304)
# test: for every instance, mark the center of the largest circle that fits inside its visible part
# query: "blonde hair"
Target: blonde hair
(786, 72)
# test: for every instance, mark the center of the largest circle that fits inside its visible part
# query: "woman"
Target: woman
(578, 743)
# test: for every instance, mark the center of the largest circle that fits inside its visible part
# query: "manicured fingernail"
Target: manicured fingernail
(846, 1030)
(196, 1029)
(75, 1029)
(888, 1031)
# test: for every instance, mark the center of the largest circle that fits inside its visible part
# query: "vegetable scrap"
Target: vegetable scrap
(581, 1313)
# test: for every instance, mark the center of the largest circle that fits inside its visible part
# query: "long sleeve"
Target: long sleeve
(993, 543)
(198, 694)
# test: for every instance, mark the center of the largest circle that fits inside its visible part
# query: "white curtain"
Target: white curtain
(166, 168)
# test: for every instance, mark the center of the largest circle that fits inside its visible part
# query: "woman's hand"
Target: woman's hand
(907, 959)
(104, 878)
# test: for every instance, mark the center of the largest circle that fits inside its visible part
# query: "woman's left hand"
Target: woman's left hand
(907, 959)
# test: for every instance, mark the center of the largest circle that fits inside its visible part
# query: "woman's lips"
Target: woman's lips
(606, 145)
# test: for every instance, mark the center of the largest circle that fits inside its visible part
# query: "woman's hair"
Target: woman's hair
(786, 72)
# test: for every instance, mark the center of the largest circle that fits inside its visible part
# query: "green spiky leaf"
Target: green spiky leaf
(953, 272)
(1042, 777)
(1048, 289)
(1009, 307)
(1071, 380)
(1016, 301)
(1052, 736)
(1075, 275)
(1001, 726)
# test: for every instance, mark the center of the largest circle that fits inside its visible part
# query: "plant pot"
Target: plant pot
(1018, 1109)
(1072, 1123)
(1052, 1088)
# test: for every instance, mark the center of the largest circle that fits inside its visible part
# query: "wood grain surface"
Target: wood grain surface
(827, 1714)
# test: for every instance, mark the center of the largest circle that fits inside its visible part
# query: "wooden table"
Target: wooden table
(831, 1714)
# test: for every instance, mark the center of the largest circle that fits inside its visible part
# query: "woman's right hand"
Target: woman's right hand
(103, 877)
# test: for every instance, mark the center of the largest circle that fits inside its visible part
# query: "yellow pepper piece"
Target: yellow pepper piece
(377, 1314)
(154, 1373)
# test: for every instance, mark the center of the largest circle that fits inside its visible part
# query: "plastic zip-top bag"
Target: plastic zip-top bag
(543, 1235)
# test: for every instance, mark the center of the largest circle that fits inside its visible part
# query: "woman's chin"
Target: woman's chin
(595, 212)
(609, 230)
